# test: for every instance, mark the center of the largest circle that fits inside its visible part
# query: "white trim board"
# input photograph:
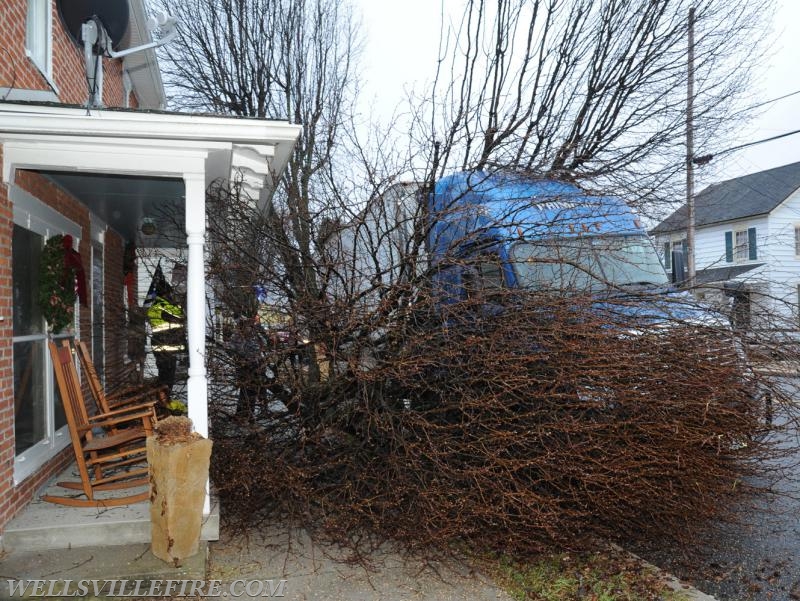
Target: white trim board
(35, 215)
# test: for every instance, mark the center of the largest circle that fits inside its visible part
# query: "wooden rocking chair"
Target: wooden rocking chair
(125, 397)
(114, 461)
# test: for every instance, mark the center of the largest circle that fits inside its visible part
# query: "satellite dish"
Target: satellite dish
(113, 14)
(99, 27)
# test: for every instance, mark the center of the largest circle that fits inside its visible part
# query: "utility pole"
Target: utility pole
(690, 157)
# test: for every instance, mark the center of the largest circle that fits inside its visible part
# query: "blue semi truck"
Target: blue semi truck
(493, 231)
(502, 231)
(508, 231)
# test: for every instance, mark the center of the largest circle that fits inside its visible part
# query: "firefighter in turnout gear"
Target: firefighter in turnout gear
(168, 327)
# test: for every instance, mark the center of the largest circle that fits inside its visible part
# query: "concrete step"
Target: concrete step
(42, 525)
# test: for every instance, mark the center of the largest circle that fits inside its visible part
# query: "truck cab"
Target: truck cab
(494, 231)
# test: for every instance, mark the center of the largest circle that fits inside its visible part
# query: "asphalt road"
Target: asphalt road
(757, 556)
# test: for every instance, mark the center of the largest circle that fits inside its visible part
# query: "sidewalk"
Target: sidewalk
(321, 573)
(312, 571)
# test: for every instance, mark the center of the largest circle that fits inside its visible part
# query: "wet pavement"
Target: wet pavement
(756, 556)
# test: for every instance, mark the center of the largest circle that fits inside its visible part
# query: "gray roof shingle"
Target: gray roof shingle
(723, 274)
(745, 196)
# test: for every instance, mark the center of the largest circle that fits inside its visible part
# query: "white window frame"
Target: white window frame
(741, 252)
(98, 236)
(32, 214)
(675, 242)
(681, 243)
(797, 240)
(38, 31)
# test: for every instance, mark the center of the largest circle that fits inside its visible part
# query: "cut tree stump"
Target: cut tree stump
(179, 461)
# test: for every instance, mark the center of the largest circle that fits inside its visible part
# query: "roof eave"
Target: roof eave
(657, 230)
(257, 147)
(142, 67)
(76, 121)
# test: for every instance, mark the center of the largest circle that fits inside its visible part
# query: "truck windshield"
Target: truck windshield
(587, 263)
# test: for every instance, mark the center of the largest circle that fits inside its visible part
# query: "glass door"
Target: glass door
(39, 420)
(30, 385)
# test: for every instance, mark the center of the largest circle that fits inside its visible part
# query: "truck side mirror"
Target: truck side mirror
(678, 270)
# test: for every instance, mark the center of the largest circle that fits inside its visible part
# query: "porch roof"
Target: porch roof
(197, 149)
(161, 144)
(725, 274)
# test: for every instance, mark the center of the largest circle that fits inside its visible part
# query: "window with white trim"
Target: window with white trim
(40, 429)
(741, 245)
(681, 245)
(38, 35)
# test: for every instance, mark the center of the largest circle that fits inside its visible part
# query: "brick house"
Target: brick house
(95, 174)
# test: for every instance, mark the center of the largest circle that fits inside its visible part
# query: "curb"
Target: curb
(672, 581)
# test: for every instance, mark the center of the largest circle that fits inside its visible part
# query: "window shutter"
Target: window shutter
(751, 244)
(685, 249)
(729, 247)
(667, 257)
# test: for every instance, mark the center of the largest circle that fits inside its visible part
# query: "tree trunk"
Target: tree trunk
(178, 477)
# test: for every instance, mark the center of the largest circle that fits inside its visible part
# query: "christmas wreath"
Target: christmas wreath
(60, 268)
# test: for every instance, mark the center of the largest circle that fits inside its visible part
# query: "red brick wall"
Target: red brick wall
(114, 318)
(17, 70)
(6, 358)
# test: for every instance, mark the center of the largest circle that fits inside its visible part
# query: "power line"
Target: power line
(747, 109)
(703, 159)
(760, 104)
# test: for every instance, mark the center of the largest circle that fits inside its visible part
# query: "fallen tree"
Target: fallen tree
(551, 422)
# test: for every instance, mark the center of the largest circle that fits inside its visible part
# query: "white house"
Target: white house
(747, 246)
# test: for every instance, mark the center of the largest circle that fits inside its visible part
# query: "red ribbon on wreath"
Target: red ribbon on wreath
(72, 260)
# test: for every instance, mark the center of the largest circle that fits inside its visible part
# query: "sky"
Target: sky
(781, 76)
(401, 38)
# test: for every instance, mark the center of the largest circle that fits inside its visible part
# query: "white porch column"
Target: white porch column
(197, 385)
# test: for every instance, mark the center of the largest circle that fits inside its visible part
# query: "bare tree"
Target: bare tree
(284, 59)
(590, 90)
(533, 404)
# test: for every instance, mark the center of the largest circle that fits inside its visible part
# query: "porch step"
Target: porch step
(42, 525)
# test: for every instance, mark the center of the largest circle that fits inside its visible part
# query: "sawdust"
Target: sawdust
(175, 429)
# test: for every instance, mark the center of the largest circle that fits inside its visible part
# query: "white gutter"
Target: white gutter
(272, 140)
(71, 121)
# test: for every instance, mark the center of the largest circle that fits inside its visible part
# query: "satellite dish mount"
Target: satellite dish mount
(99, 26)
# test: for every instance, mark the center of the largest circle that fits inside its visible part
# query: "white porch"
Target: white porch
(195, 149)
(149, 152)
